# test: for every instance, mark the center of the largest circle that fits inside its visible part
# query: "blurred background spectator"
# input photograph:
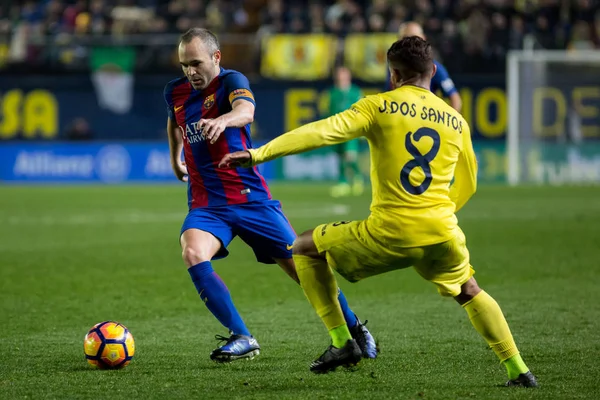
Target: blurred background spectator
(471, 36)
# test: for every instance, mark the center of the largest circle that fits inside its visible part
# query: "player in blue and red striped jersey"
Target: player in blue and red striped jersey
(441, 79)
(210, 110)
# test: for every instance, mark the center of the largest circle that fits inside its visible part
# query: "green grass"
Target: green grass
(74, 256)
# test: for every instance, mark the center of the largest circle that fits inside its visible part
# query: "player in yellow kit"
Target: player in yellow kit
(418, 144)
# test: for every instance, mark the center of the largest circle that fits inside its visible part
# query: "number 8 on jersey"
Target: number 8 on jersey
(419, 160)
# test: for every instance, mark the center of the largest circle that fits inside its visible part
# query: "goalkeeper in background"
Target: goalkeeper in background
(341, 97)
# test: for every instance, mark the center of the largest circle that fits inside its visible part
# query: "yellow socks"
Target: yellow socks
(340, 335)
(321, 289)
(515, 366)
(487, 318)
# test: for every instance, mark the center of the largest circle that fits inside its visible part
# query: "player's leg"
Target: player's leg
(289, 266)
(347, 248)
(265, 228)
(448, 266)
(358, 329)
(351, 156)
(487, 318)
(321, 290)
(342, 188)
(199, 247)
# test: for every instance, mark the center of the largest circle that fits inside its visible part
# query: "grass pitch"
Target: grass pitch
(74, 256)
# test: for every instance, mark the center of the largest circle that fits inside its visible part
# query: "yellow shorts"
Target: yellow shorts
(355, 254)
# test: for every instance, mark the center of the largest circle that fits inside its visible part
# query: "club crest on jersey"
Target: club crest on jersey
(209, 101)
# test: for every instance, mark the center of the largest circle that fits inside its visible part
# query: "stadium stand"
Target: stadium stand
(470, 36)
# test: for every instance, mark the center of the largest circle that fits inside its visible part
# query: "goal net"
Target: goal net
(554, 117)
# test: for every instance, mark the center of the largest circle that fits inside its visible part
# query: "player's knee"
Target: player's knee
(468, 290)
(305, 246)
(287, 264)
(193, 255)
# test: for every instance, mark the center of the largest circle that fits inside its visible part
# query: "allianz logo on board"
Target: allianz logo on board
(111, 163)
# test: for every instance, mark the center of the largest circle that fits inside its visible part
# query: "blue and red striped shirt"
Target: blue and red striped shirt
(207, 184)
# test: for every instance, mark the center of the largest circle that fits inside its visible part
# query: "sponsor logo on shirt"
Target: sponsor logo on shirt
(193, 133)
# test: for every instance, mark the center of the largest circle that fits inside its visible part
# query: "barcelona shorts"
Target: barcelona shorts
(260, 224)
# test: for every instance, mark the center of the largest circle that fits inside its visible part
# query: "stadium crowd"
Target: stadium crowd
(470, 36)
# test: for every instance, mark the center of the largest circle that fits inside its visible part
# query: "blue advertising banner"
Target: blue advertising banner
(93, 162)
(116, 163)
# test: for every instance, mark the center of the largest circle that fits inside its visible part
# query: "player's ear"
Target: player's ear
(217, 57)
(434, 70)
(394, 77)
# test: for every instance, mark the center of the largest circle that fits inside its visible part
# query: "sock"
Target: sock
(216, 297)
(321, 289)
(339, 336)
(349, 315)
(515, 366)
(487, 318)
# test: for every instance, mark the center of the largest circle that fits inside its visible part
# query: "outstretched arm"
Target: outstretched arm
(339, 128)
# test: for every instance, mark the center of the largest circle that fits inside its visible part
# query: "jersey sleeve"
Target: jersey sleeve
(238, 88)
(443, 80)
(465, 173)
(339, 128)
(168, 94)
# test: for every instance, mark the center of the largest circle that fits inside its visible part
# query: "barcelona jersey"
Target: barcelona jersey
(208, 185)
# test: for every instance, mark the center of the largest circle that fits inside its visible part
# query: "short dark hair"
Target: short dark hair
(207, 37)
(411, 56)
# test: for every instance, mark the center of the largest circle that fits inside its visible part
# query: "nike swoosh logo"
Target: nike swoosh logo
(289, 246)
(178, 108)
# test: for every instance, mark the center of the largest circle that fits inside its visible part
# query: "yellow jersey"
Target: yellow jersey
(418, 145)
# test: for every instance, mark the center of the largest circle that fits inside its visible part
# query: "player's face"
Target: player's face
(199, 65)
(343, 77)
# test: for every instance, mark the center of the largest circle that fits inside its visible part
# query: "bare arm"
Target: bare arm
(242, 114)
(175, 149)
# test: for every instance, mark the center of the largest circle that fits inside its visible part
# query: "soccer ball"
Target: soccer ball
(109, 345)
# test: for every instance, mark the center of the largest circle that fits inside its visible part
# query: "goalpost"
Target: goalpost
(553, 132)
